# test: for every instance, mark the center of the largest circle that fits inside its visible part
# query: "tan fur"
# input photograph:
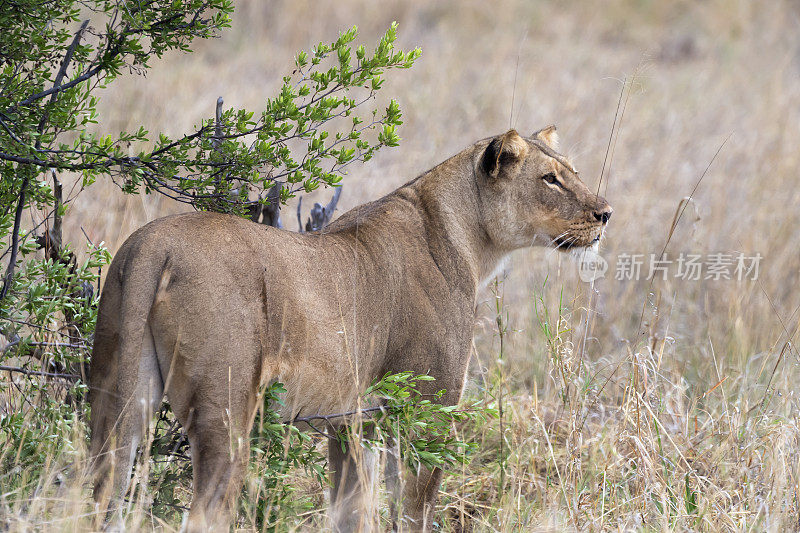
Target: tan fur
(208, 307)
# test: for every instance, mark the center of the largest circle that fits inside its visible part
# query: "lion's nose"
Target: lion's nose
(603, 215)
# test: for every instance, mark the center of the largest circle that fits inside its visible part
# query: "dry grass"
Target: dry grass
(668, 405)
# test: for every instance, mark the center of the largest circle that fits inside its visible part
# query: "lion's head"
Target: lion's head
(530, 194)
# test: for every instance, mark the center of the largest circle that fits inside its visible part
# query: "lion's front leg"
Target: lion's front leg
(420, 494)
(413, 492)
(353, 495)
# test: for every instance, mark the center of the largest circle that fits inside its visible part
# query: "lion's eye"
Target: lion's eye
(550, 178)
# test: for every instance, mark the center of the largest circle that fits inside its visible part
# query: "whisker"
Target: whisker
(564, 243)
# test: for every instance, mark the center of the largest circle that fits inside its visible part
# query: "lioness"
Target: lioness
(207, 307)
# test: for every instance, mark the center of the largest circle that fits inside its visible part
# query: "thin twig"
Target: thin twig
(27, 372)
(12, 262)
(326, 418)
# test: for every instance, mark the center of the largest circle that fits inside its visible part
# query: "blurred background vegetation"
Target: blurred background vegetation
(630, 404)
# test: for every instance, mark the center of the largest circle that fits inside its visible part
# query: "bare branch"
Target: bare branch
(216, 141)
(12, 262)
(272, 211)
(27, 372)
(320, 215)
(331, 207)
(299, 219)
(218, 123)
(326, 418)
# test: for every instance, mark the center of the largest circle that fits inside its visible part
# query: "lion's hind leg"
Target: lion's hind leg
(122, 410)
(219, 463)
(216, 411)
(353, 495)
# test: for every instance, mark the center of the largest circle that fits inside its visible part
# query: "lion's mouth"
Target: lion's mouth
(567, 243)
(563, 243)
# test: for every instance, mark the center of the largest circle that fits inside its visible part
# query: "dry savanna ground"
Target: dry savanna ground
(649, 404)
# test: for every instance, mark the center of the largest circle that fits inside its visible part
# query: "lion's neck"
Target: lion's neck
(448, 196)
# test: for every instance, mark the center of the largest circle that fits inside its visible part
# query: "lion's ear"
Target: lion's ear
(548, 135)
(503, 152)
